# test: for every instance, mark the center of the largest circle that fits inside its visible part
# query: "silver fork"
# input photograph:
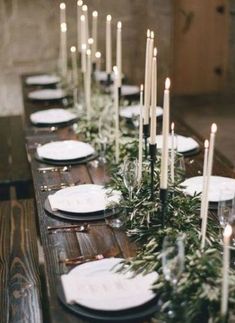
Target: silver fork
(48, 188)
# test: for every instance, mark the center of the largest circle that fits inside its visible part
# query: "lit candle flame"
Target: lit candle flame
(90, 41)
(84, 7)
(148, 33)
(152, 34)
(167, 83)
(83, 18)
(227, 231)
(214, 128)
(88, 52)
(115, 69)
(95, 14)
(141, 88)
(172, 126)
(98, 54)
(119, 25)
(62, 6)
(63, 27)
(83, 46)
(206, 144)
(109, 18)
(73, 49)
(79, 3)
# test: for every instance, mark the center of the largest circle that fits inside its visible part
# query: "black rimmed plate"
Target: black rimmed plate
(100, 215)
(55, 124)
(66, 162)
(136, 314)
(190, 153)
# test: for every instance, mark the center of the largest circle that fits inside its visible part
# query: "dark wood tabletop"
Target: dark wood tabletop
(100, 238)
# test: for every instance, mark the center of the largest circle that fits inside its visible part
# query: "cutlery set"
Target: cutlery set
(69, 228)
(63, 169)
(54, 187)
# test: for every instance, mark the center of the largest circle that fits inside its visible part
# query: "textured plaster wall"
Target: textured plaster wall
(29, 36)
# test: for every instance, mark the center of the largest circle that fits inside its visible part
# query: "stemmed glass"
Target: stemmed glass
(225, 206)
(172, 263)
(130, 174)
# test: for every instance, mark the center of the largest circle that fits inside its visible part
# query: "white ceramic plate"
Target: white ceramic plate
(65, 150)
(97, 286)
(183, 144)
(101, 76)
(52, 116)
(44, 79)
(128, 90)
(194, 185)
(47, 94)
(134, 111)
(86, 198)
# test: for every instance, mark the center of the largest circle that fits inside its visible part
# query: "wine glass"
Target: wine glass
(225, 206)
(172, 263)
(130, 174)
(114, 217)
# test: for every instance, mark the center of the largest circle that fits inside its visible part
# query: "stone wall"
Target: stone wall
(30, 39)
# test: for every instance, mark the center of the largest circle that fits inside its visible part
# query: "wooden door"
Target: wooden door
(200, 46)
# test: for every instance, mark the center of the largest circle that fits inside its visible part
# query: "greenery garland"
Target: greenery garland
(198, 294)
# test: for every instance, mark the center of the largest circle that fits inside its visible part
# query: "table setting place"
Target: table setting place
(183, 228)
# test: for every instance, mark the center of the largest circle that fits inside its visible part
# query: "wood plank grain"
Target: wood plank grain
(5, 212)
(24, 287)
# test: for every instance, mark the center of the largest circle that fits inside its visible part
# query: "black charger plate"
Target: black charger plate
(66, 162)
(57, 124)
(135, 314)
(100, 215)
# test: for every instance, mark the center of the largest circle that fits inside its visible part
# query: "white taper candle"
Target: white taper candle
(108, 45)
(140, 157)
(94, 34)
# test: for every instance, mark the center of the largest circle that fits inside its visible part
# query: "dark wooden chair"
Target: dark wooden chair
(20, 287)
(14, 167)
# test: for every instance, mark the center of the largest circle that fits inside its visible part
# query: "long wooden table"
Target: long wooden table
(101, 238)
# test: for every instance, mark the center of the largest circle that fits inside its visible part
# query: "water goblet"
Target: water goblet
(130, 174)
(173, 264)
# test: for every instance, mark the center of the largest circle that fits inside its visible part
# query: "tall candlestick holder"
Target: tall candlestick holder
(108, 81)
(163, 199)
(152, 153)
(119, 92)
(146, 135)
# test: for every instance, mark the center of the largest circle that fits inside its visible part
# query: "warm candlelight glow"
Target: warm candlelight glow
(98, 55)
(109, 18)
(115, 69)
(152, 34)
(155, 52)
(82, 18)
(167, 83)
(206, 143)
(227, 231)
(172, 126)
(141, 88)
(63, 27)
(62, 6)
(214, 128)
(84, 7)
(90, 41)
(95, 14)
(73, 49)
(79, 3)
(119, 25)
(83, 46)
(148, 33)
(88, 52)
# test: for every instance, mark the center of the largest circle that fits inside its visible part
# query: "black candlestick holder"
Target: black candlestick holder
(119, 93)
(152, 153)
(163, 199)
(108, 81)
(146, 135)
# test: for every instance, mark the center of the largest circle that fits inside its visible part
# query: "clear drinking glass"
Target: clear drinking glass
(173, 264)
(225, 206)
(114, 217)
(130, 174)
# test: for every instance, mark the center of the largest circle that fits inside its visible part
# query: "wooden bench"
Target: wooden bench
(14, 168)
(20, 291)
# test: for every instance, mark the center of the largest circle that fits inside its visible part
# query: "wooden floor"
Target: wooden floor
(199, 112)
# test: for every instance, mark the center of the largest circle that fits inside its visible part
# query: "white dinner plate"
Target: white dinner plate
(97, 285)
(52, 116)
(47, 94)
(181, 143)
(86, 198)
(134, 111)
(101, 76)
(194, 185)
(65, 150)
(128, 90)
(45, 79)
